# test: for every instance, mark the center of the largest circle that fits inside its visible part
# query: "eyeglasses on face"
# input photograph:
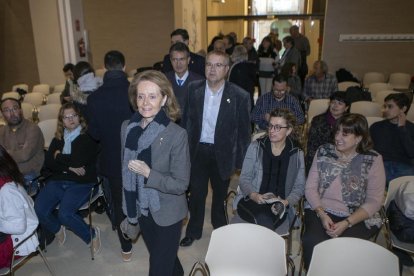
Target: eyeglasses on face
(70, 117)
(210, 65)
(276, 127)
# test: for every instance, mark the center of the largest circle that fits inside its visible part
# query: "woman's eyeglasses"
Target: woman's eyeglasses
(70, 117)
(276, 127)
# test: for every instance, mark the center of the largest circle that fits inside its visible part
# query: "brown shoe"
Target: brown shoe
(61, 235)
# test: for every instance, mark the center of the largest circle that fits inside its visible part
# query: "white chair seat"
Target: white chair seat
(48, 128)
(42, 88)
(49, 111)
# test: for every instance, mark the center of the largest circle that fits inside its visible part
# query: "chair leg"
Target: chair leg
(49, 267)
(291, 265)
(91, 232)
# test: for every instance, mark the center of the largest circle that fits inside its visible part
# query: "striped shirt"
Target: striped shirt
(267, 102)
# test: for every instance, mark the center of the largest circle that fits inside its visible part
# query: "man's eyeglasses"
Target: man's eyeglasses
(10, 110)
(70, 117)
(276, 127)
(216, 65)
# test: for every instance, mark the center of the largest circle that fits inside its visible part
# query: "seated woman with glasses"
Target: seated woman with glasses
(17, 216)
(345, 187)
(71, 159)
(273, 168)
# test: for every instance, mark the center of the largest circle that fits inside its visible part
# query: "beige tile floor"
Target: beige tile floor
(74, 257)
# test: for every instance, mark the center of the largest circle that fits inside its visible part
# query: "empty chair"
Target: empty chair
(21, 86)
(368, 109)
(372, 77)
(352, 256)
(343, 86)
(27, 109)
(400, 80)
(13, 95)
(381, 95)
(372, 120)
(35, 98)
(410, 114)
(42, 88)
(54, 98)
(100, 72)
(59, 88)
(244, 249)
(375, 87)
(48, 128)
(49, 111)
(317, 107)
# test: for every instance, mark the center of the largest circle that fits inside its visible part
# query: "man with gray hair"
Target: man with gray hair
(321, 84)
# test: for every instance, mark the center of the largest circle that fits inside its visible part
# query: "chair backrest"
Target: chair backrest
(35, 98)
(100, 72)
(400, 80)
(410, 114)
(246, 249)
(49, 111)
(48, 128)
(381, 95)
(54, 98)
(21, 86)
(42, 88)
(375, 87)
(59, 88)
(372, 120)
(343, 86)
(393, 187)
(27, 109)
(12, 94)
(372, 77)
(352, 256)
(368, 109)
(317, 107)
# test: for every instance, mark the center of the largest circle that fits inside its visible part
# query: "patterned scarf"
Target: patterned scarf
(354, 175)
(137, 199)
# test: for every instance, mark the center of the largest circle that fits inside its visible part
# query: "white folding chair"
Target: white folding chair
(352, 256)
(59, 88)
(372, 120)
(343, 86)
(372, 77)
(42, 88)
(15, 263)
(12, 94)
(35, 98)
(244, 249)
(48, 128)
(27, 109)
(21, 86)
(48, 111)
(54, 98)
(390, 238)
(375, 87)
(368, 109)
(381, 95)
(400, 80)
(317, 107)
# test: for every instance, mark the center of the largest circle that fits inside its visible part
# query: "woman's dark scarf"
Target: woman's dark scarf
(138, 199)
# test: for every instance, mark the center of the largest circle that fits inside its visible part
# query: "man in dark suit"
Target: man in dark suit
(107, 108)
(216, 117)
(197, 62)
(180, 77)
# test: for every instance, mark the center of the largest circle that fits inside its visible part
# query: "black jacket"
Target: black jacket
(108, 107)
(197, 64)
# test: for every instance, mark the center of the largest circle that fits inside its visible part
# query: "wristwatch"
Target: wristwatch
(349, 222)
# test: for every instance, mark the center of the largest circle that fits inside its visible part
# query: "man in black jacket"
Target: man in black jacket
(107, 108)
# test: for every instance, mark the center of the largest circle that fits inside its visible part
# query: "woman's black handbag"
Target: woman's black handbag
(262, 214)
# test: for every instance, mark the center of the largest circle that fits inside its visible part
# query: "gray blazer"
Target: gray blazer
(252, 174)
(170, 172)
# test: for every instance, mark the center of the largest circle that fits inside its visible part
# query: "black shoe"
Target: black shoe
(186, 241)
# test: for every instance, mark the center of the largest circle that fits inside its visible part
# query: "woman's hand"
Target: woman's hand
(326, 221)
(258, 198)
(56, 153)
(139, 167)
(78, 171)
(337, 229)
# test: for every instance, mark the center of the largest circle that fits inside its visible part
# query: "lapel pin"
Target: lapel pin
(228, 100)
(161, 140)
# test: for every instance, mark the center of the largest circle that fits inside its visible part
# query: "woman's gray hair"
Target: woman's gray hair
(239, 54)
